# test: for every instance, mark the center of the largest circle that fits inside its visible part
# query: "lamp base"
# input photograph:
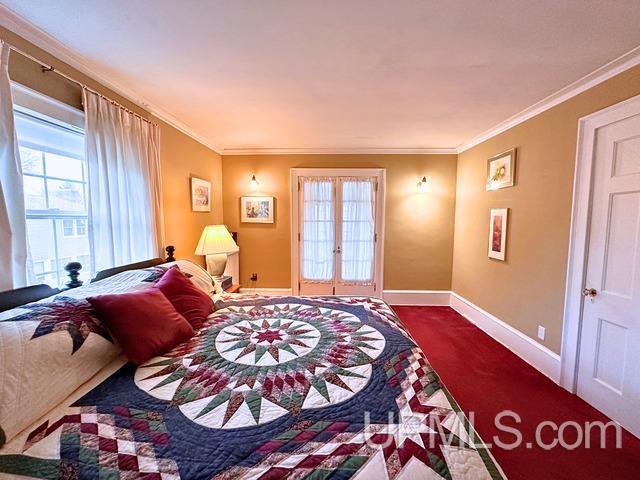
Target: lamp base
(216, 264)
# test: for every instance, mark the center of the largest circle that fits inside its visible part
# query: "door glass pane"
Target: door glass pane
(358, 230)
(317, 229)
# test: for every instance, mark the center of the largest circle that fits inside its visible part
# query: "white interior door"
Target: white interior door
(339, 223)
(609, 355)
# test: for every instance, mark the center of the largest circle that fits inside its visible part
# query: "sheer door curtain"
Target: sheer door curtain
(358, 230)
(125, 193)
(13, 230)
(318, 229)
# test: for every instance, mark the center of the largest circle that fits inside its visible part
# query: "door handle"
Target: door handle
(589, 292)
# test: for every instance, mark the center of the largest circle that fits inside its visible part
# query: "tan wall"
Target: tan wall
(181, 156)
(419, 227)
(528, 289)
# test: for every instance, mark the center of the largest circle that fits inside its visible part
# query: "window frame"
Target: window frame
(40, 108)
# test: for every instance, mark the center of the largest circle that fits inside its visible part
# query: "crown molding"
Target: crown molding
(339, 151)
(607, 71)
(16, 24)
(41, 39)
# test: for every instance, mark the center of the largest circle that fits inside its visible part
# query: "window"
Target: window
(74, 228)
(55, 191)
(67, 228)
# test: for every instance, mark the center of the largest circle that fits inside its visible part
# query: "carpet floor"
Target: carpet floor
(486, 379)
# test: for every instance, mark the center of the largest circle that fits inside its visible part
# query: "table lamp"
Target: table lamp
(215, 242)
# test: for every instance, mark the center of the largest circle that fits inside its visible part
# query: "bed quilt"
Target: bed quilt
(270, 387)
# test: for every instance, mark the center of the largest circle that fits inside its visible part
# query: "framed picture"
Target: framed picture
(256, 209)
(501, 170)
(498, 233)
(200, 195)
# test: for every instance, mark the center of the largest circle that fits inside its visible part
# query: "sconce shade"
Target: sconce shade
(422, 184)
(254, 182)
(216, 239)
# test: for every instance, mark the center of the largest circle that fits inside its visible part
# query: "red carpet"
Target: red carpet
(486, 378)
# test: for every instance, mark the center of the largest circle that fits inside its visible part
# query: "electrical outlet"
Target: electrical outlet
(541, 332)
(254, 277)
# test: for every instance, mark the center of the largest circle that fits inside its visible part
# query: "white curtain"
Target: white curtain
(358, 230)
(13, 236)
(318, 229)
(125, 193)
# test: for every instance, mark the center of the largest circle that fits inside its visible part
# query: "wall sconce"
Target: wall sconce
(422, 184)
(254, 183)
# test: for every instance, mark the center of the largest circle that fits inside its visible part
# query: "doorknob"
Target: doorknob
(589, 292)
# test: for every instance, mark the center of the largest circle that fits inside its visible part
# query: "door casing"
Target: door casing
(295, 174)
(579, 236)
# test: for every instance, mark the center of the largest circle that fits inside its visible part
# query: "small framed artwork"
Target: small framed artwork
(256, 209)
(501, 170)
(498, 233)
(200, 195)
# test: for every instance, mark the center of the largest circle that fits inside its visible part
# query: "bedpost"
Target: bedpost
(170, 258)
(73, 269)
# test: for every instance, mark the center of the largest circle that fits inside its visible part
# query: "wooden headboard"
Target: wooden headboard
(20, 296)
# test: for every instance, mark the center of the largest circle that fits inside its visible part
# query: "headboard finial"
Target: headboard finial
(74, 271)
(170, 249)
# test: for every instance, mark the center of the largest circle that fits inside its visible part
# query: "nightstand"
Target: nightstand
(235, 288)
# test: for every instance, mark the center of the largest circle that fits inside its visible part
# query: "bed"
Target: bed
(269, 387)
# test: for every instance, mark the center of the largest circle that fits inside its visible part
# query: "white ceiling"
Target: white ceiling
(351, 74)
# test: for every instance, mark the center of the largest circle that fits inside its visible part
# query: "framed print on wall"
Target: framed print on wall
(256, 209)
(501, 170)
(200, 195)
(498, 233)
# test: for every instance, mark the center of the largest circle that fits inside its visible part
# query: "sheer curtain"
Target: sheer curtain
(13, 231)
(318, 229)
(358, 230)
(125, 193)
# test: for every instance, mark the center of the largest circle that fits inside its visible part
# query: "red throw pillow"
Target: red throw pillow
(144, 323)
(191, 302)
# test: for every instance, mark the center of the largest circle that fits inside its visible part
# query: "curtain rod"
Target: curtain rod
(45, 67)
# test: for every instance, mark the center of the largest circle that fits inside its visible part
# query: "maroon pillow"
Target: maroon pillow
(144, 323)
(191, 302)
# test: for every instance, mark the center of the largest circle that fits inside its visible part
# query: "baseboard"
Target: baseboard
(268, 292)
(536, 355)
(417, 297)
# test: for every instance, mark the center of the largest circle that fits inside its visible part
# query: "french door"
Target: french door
(337, 231)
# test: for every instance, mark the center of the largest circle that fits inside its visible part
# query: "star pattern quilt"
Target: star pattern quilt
(269, 388)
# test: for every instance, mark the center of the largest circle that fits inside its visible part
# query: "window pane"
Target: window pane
(31, 161)
(71, 249)
(67, 228)
(81, 227)
(63, 167)
(42, 249)
(34, 195)
(66, 196)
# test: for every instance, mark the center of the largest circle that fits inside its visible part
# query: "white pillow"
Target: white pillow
(199, 276)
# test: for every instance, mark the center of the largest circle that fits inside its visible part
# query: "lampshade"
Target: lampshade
(216, 239)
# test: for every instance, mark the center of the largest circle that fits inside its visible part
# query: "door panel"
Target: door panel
(608, 374)
(356, 255)
(317, 236)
